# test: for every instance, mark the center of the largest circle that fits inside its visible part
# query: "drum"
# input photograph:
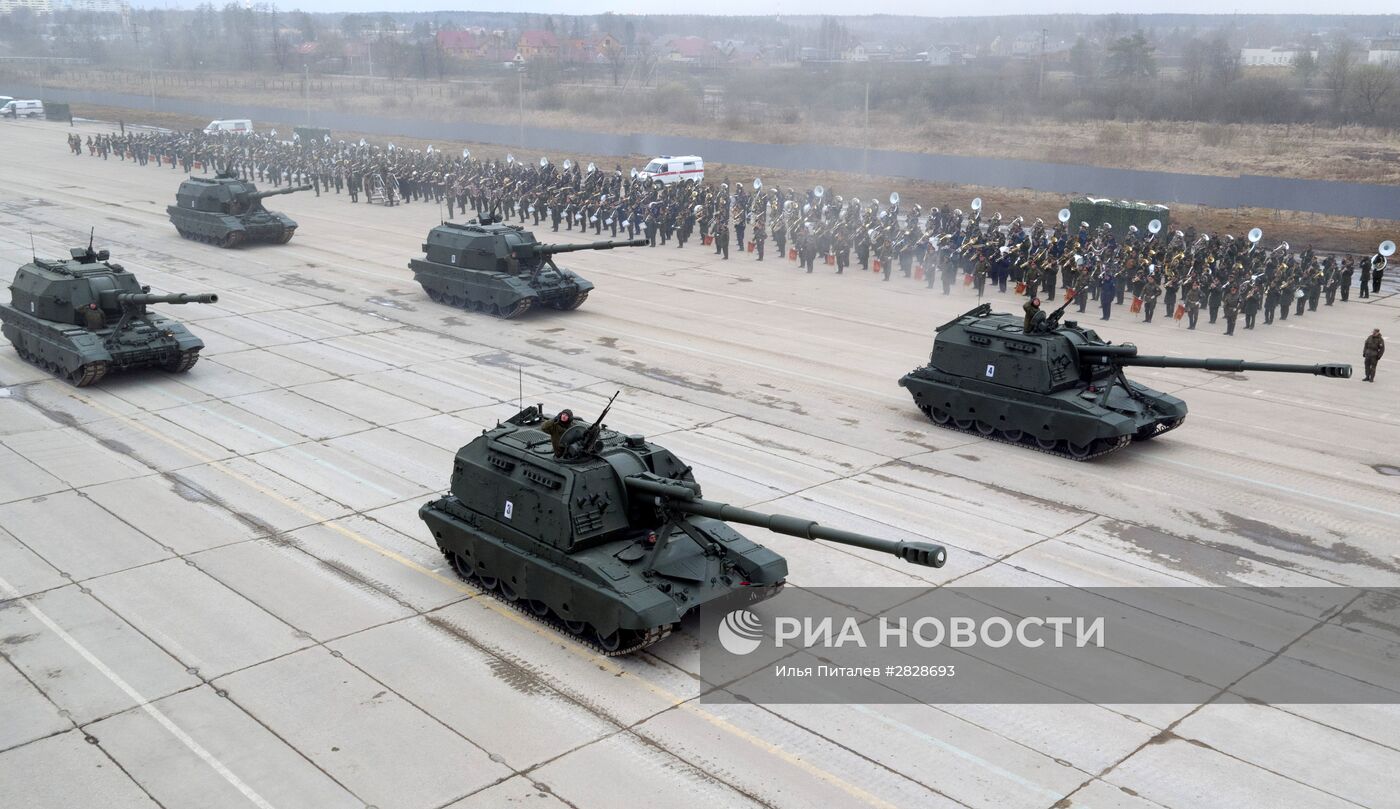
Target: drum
(1137, 305)
(792, 254)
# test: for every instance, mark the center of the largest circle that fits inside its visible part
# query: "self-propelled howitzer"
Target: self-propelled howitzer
(609, 539)
(86, 316)
(1055, 387)
(487, 266)
(228, 211)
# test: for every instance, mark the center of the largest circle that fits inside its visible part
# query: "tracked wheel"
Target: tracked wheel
(182, 362)
(572, 303)
(85, 375)
(521, 307)
(616, 643)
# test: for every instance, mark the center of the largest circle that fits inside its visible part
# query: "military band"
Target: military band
(1187, 271)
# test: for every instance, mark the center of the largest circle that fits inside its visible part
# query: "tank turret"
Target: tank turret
(1055, 387)
(606, 536)
(487, 266)
(228, 211)
(85, 316)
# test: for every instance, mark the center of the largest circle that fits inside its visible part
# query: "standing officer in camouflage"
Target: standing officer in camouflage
(1372, 352)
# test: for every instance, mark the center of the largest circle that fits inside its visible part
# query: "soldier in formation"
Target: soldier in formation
(816, 227)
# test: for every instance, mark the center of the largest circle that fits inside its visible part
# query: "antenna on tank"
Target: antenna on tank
(520, 389)
(33, 254)
(91, 231)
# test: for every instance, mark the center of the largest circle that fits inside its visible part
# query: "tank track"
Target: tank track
(183, 362)
(1158, 429)
(232, 240)
(84, 375)
(1061, 448)
(477, 306)
(640, 640)
(572, 304)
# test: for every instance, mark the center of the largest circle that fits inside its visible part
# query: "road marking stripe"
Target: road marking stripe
(166, 722)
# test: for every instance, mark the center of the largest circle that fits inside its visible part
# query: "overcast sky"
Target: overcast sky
(837, 7)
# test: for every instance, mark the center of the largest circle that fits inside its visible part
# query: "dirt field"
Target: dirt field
(1312, 152)
(1327, 233)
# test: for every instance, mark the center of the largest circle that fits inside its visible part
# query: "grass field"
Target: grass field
(1306, 151)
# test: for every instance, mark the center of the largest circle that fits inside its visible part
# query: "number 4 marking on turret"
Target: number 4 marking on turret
(510, 509)
(991, 371)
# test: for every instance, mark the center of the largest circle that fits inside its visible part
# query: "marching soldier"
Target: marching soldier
(1232, 310)
(1371, 352)
(1150, 290)
(1193, 304)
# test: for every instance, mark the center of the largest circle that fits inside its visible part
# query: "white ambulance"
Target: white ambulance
(229, 125)
(667, 169)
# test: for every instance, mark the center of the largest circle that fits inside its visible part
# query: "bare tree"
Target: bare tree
(1337, 68)
(1370, 86)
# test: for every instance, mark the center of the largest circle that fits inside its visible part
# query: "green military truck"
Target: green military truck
(1118, 213)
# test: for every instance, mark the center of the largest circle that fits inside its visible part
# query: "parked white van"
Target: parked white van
(22, 109)
(229, 125)
(667, 169)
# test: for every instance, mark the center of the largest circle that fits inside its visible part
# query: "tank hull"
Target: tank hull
(84, 357)
(499, 293)
(1071, 423)
(227, 230)
(588, 595)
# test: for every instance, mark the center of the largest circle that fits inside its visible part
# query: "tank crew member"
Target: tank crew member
(556, 427)
(1372, 352)
(1032, 308)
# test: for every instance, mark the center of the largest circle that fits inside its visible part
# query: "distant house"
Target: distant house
(1271, 57)
(943, 55)
(1383, 51)
(462, 44)
(534, 45)
(868, 52)
(692, 50)
(581, 50)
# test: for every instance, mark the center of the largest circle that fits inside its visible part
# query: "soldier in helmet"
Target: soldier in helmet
(1032, 308)
(556, 427)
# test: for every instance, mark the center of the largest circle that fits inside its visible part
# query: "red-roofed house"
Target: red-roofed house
(538, 45)
(464, 44)
(693, 50)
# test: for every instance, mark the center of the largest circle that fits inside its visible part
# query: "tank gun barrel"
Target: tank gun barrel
(278, 192)
(143, 298)
(1126, 355)
(551, 249)
(681, 497)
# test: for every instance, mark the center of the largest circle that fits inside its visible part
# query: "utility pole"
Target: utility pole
(866, 160)
(1040, 80)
